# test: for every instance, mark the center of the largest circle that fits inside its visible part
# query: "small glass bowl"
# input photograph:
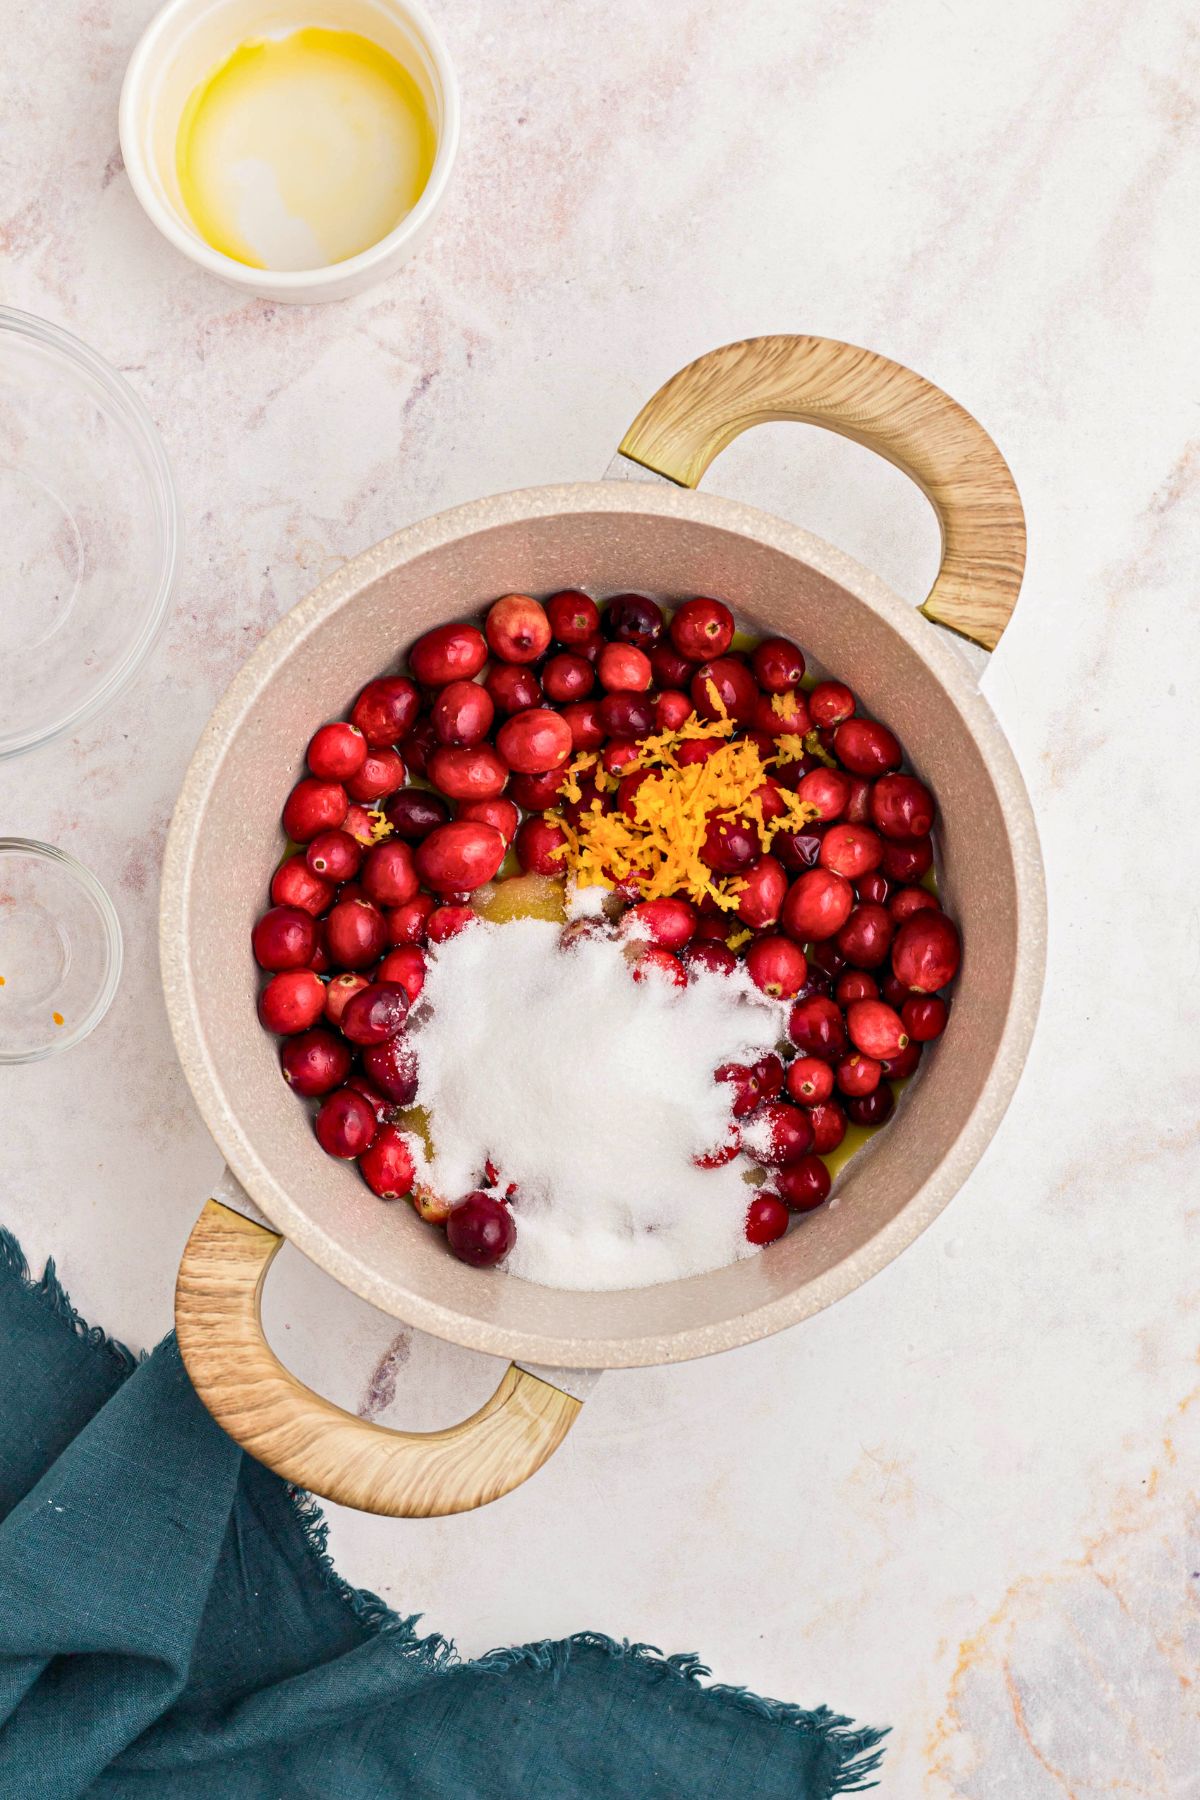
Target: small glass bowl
(60, 951)
(89, 532)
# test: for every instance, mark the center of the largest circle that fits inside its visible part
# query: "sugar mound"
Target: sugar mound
(593, 1093)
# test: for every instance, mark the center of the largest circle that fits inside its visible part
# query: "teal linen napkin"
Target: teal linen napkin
(171, 1628)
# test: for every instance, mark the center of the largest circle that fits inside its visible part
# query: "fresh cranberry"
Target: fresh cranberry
(866, 747)
(796, 850)
(476, 774)
(318, 962)
(777, 1134)
(781, 714)
(908, 862)
(670, 669)
(313, 806)
(909, 900)
(590, 647)
(379, 1103)
(387, 1165)
(541, 846)
(855, 984)
(405, 966)
(389, 875)
(766, 1219)
(291, 1001)
(924, 1017)
(891, 990)
(406, 924)
(573, 616)
(826, 789)
(461, 856)
(722, 1153)
(392, 1066)
(566, 677)
(874, 888)
(830, 702)
(652, 959)
(697, 750)
(816, 1027)
(875, 1028)
(778, 966)
(828, 1122)
(778, 665)
(448, 653)
(768, 1072)
(826, 955)
(418, 746)
(771, 799)
(902, 807)
(817, 905)
(512, 688)
(345, 1124)
(724, 686)
(670, 923)
(633, 619)
(809, 1080)
(707, 956)
(857, 1074)
(500, 814)
(462, 714)
(627, 792)
(314, 1062)
(904, 1063)
(356, 933)
(866, 937)
(747, 1090)
(671, 708)
(623, 669)
(336, 751)
(446, 922)
(803, 1185)
(536, 792)
(284, 938)
(535, 741)
(729, 846)
(702, 629)
(627, 715)
(340, 992)
(382, 773)
(762, 889)
(517, 629)
(334, 856)
(875, 1108)
(480, 1230)
(583, 721)
(386, 710)
(851, 850)
(926, 952)
(294, 884)
(377, 1013)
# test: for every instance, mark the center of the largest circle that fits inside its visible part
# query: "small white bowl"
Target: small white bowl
(188, 39)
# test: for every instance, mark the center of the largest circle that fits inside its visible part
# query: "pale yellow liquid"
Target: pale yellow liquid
(303, 150)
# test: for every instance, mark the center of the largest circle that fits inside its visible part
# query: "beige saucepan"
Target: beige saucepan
(661, 537)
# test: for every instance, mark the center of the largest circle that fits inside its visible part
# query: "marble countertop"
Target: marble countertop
(961, 1501)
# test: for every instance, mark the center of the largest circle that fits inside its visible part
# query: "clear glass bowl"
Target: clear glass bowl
(60, 951)
(89, 532)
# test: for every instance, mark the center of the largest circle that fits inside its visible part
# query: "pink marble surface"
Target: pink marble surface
(963, 1500)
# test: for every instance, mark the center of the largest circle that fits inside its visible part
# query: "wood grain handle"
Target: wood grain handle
(318, 1446)
(880, 404)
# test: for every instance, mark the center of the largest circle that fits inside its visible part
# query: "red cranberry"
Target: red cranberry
(462, 714)
(768, 1072)
(461, 856)
(874, 888)
(478, 774)
(319, 960)
(902, 807)
(313, 806)
(777, 1134)
(875, 1108)
(623, 669)
(826, 955)
(566, 678)
(826, 789)
(829, 1126)
(830, 702)
(336, 751)
(732, 684)
(671, 708)
(379, 1103)
(723, 1153)
(697, 750)
(809, 1080)
(670, 669)
(360, 824)
(345, 1124)
(908, 862)
(891, 990)
(448, 653)
(500, 814)
(909, 900)
(541, 846)
(904, 1063)
(866, 747)
(771, 799)
(875, 1028)
(652, 959)
(386, 710)
(627, 715)
(334, 856)
(804, 1184)
(761, 893)
(406, 924)
(709, 957)
(480, 1230)
(866, 937)
(405, 966)
(778, 665)
(418, 747)
(357, 934)
(291, 1001)
(669, 922)
(855, 984)
(294, 884)
(387, 1165)
(284, 938)
(517, 629)
(392, 1066)
(817, 905)
(779, 714)
(583, 721)
(778, 966)
(729, 846)
(817, 1028)
(766, 1219)
(924, 1017)
(536, 792)
(446, 922)
(535, 741)
(314, 1062)
(796, 850)
(512, 688)
(858, 1074)
(747, 1090)
(382, 773)
(340, 992)
(851, 850)
(590, 647)
(633, 619)
(926, 952)
(701, 629)
(376, 1014)
(573, 616)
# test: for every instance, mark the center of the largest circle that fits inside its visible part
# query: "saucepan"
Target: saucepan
(660, 536)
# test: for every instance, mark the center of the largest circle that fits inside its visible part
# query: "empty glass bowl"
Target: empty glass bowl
(89, 532)
(60, 950)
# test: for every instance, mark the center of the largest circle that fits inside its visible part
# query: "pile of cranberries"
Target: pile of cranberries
(415, 801)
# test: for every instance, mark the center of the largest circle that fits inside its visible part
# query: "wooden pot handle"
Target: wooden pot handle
(318, 1446)
(881, 404)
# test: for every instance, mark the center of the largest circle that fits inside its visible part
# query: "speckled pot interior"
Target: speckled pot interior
(604, 537)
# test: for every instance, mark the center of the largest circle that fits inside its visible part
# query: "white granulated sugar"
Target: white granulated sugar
(593, 1092)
